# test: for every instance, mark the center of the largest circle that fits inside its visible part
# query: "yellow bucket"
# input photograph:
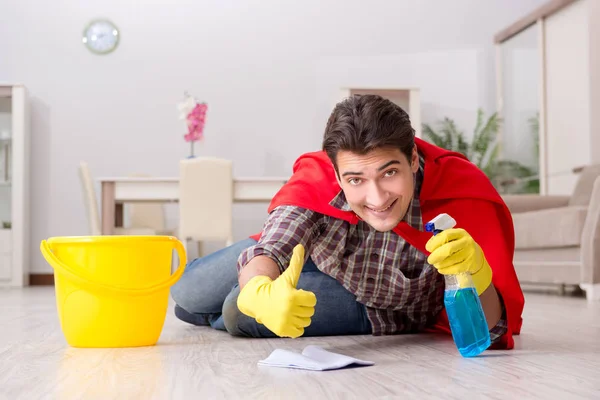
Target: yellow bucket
(113, 291)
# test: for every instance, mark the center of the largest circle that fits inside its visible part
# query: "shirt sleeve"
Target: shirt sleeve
(285, 227)
(501, 327)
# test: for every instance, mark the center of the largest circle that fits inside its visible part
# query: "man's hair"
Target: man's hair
(362, 123)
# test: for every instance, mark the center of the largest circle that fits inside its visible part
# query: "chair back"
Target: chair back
(206, 199)
(89, 199)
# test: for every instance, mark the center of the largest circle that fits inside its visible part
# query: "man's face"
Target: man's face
(379, 185)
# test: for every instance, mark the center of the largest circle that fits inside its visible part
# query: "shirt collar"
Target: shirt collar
(340, 202)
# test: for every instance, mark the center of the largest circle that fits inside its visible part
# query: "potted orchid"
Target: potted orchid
(194, 114)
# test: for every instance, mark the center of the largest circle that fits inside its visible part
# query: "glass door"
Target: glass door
(520, 106)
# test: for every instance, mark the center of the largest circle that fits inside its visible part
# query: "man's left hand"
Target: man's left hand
(454, 251)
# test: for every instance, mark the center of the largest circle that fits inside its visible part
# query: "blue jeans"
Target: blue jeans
(207, 294)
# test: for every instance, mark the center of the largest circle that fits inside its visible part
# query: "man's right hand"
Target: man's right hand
(277, 304)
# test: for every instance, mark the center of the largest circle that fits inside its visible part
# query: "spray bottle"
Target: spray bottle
(465, 314)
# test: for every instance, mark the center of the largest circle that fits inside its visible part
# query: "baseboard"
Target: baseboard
(41, 279)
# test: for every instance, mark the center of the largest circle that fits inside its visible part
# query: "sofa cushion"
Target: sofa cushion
(555, 227)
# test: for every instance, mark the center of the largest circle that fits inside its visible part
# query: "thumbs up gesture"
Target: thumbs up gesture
(277, 304)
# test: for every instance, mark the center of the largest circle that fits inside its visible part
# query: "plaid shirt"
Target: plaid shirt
(401, 291)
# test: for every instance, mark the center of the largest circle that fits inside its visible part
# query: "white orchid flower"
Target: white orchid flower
(186, 107)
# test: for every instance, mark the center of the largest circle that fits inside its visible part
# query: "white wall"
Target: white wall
(264, 68)
(454, 93)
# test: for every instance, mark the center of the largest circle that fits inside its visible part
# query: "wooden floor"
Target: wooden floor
(557, 356)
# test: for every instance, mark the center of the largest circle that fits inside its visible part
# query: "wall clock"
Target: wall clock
(101, 36)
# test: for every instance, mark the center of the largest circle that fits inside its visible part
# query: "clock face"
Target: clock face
(101, 36)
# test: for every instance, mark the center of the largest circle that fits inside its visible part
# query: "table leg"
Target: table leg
(119, 215)
(108, 208)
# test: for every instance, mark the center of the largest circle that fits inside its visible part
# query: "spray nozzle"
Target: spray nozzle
(440, 223)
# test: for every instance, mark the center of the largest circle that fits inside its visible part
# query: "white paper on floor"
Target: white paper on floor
(313, 358)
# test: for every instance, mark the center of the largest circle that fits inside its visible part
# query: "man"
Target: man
(343, 250)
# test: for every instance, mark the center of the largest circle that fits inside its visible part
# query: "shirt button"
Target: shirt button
(370, 280)
(374, 257)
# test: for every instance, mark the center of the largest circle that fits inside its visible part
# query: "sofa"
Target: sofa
(557, 238)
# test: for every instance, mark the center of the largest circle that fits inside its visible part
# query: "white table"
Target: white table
(119, 190)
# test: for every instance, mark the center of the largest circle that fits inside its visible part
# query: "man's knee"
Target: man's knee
(199, 290)
(208, 280)
(232, 316)
(181, 292)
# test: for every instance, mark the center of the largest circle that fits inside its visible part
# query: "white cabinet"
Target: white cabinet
(5, 254)
(14, 186)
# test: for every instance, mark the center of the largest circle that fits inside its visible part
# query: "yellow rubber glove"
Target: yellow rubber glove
(454, 251)
(277, 304)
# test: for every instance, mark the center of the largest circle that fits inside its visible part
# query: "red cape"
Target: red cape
(451, 184)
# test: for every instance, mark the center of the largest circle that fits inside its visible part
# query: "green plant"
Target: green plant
(483, 148)
(507, 176)
(510, 177)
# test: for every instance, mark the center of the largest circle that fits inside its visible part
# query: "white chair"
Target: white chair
(89, 196)
(205, 200)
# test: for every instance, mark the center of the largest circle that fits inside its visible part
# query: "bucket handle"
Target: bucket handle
(64, 269)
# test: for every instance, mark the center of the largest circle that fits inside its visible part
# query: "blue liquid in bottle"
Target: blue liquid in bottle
(465, 314)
